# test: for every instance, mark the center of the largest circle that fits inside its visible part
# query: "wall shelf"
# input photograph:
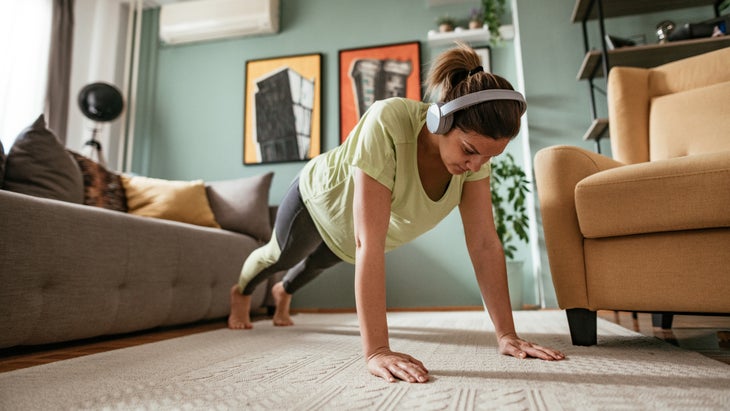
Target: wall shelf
(475, 36)
(616, 8)
(469, 36)
(597, 63)
(597, 130)
(649, 55)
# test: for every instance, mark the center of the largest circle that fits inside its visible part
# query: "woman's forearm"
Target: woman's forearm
(371, 218)
(491, 275)
(370, 301)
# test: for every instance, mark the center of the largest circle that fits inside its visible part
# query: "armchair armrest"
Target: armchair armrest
(558, 170)
(683, 193)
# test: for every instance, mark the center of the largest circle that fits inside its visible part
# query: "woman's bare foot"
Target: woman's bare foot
(240, 318)
(283, 301)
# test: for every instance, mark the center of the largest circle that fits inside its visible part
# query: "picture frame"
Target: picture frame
(282, 109)
(368, 74)
(485, 54)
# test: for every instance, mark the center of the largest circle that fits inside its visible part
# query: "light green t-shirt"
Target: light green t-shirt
(383, 145)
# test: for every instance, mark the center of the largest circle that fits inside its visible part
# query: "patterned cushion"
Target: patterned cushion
(102, 188)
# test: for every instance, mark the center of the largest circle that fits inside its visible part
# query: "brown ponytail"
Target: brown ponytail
(452, 75)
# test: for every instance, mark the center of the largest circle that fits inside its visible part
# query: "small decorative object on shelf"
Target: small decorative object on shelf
(613, 42)
(476, 18)
(445, 23)
(664, 29)
(715, 27)
(493, 10)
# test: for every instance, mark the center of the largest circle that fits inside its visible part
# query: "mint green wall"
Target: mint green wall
(190, 118)
(190, 123)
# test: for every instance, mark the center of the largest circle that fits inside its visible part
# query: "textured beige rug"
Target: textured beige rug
(317, 365)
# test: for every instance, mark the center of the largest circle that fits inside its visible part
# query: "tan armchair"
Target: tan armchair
(649, 230)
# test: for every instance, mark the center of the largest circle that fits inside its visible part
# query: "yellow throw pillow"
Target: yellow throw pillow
(184, 201)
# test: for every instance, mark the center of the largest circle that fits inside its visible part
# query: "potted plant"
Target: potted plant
(493, 10)
(510, 187)
(476, 18)
(445, 23)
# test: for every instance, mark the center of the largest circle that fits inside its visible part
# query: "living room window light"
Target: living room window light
(25, 28)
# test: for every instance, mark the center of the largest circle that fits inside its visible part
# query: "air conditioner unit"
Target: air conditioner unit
(201, 20)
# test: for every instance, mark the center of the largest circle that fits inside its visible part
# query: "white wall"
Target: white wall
(98, 55)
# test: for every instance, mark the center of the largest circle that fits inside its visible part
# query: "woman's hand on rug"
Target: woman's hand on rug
(511, 344)
(390, 365)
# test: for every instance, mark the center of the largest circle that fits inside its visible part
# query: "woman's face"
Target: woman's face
(468, 151)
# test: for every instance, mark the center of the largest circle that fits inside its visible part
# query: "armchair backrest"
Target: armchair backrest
(674, 110)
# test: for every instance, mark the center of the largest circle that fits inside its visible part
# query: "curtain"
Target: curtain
(59, 67)
(24, 41)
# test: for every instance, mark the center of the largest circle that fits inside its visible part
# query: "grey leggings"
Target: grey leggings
(303, 252)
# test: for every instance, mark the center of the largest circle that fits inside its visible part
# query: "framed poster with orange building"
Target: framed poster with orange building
(375, 73)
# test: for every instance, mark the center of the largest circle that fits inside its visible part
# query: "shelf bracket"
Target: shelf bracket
(604, 48)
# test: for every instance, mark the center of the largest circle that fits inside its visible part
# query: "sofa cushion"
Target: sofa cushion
(39, 165)
(242, 205)
(74, 271)
(183, 201)
(102, 188)
(688, 193)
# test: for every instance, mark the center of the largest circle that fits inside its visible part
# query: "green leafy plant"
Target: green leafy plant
(493, 11)
(510, 187)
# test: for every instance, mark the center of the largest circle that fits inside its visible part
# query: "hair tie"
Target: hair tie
(462, 75)
(458, 77)
(475, 70)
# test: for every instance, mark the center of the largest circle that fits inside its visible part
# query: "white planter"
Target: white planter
(515, 279)
(507, 31)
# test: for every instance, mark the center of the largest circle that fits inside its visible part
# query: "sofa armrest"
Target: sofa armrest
(558, 170)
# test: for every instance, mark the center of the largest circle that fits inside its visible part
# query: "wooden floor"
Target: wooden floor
(707, 335)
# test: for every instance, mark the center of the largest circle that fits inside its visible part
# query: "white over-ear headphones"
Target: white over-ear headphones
(440, 116)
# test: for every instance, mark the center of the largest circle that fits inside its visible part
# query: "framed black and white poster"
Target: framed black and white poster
(282, 109)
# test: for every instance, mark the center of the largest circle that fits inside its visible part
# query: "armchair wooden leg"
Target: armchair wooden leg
(582, 325)
(662, 320)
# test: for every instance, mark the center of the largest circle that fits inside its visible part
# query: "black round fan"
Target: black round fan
(101, 102)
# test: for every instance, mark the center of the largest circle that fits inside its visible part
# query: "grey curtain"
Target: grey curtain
(59, 67)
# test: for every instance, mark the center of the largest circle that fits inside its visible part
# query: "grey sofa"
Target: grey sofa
(73, 271)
